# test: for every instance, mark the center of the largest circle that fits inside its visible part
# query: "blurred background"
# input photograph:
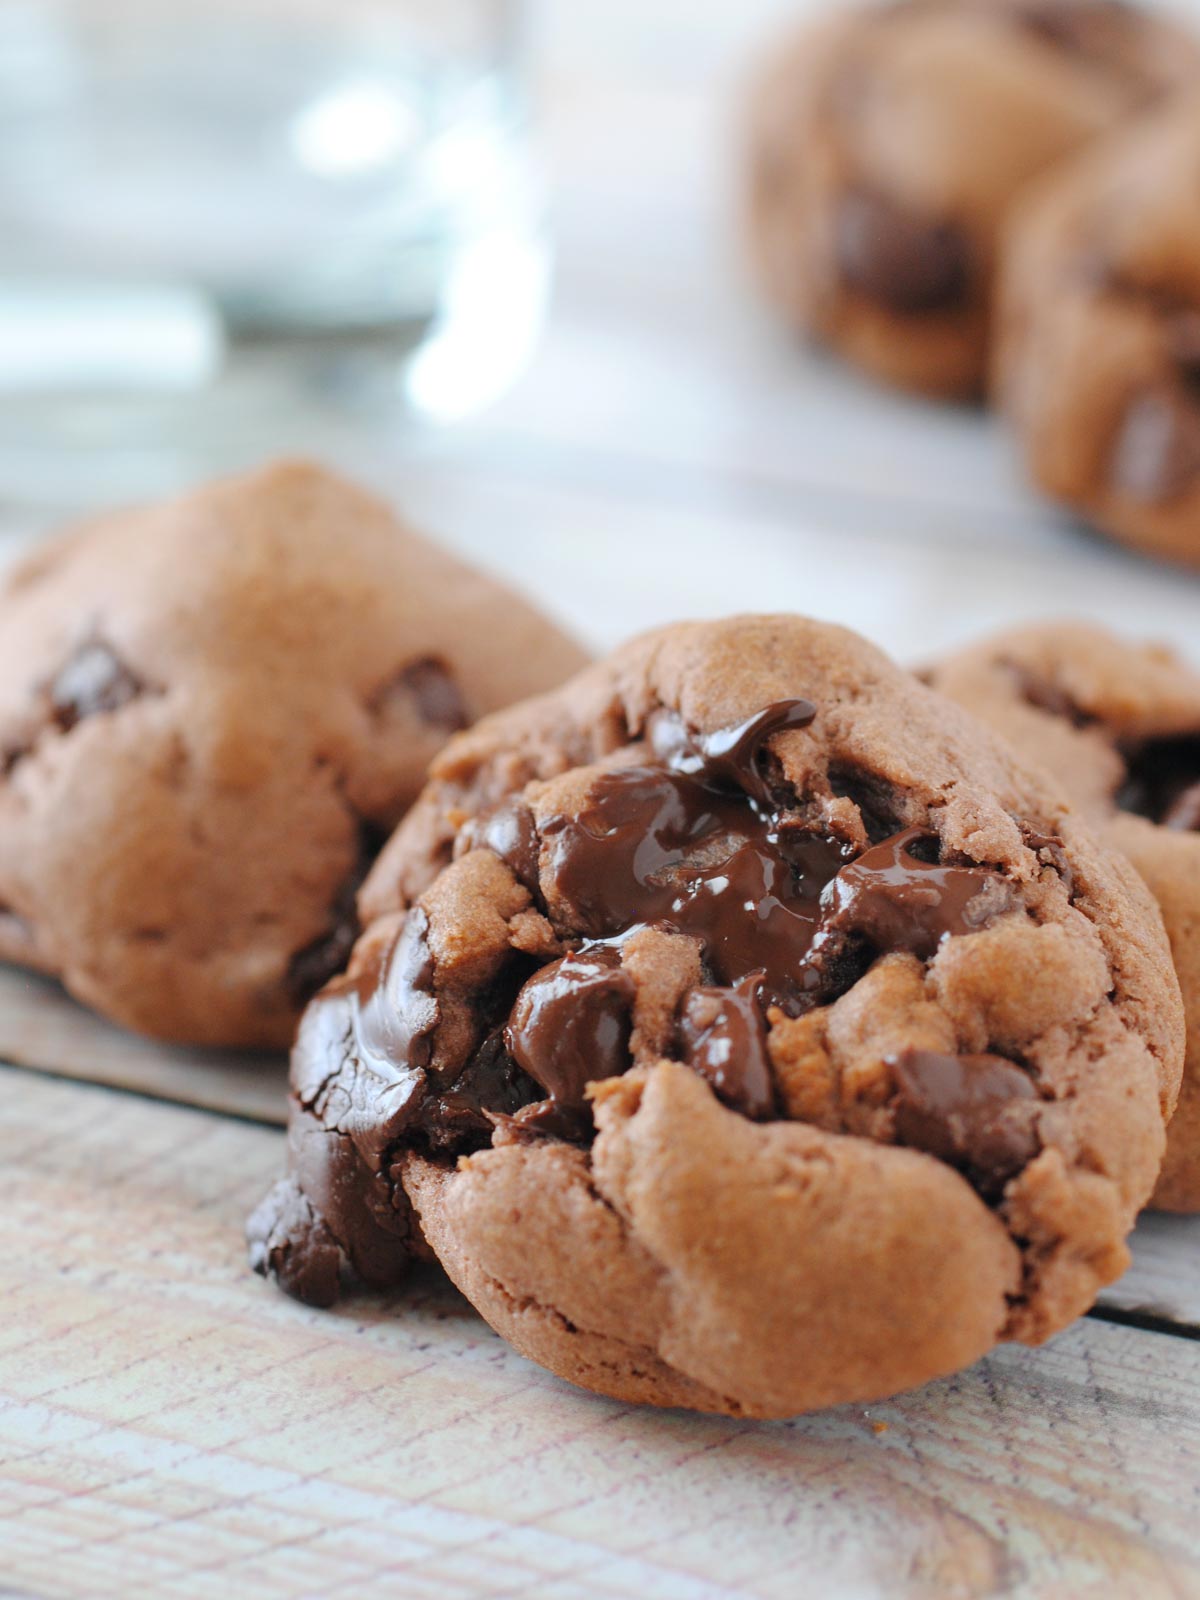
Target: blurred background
(486, 257)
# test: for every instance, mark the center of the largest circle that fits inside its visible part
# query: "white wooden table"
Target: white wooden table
(170, 1426)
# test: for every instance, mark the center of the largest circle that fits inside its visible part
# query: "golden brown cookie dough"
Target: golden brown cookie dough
(1118, 724)
(888, 143)
(1098, 342)
(212, 713)
(878, 1040)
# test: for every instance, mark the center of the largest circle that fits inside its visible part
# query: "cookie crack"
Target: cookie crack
(519, 1304)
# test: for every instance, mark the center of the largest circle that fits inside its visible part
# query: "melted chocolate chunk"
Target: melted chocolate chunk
(312, 967)
(1083, 27)
(976, 1113)
(730, 758)
(365, 1043)
(696, 845)
(290, 1241)
(723, 1037)
(1183, 346)
(655, 847)
(491, 1087)
(429, 685)
(897, 900)
(509, 831)
(1163, 783)
(1045, 695)
(94, 679)
(570, 1027)
(1156, 454)
(907, 263)
(397, 1011)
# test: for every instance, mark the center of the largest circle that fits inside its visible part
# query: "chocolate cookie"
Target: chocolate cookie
(1098, 349)
(888, 144)
(743, 1028)
(212, 713)
(1118, 725)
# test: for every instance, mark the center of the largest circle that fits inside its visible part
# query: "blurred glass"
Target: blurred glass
(218, 217)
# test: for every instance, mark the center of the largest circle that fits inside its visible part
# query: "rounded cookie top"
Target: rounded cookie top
(1098, 345)
(743, 1027)
(888, 144)
(1118, 724)
(212, 712)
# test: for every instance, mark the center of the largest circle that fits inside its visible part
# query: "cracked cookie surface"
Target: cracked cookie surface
(1118, 724)
(888, 145)
(212, 713)
(743, 1028)
(1098, 338)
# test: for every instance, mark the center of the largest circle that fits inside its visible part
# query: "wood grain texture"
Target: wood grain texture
(1164, 1280)
(170, 1425)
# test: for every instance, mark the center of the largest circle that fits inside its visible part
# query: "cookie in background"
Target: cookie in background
(1118, 724)
(213, 711)
(888, 144)
(1098, 334)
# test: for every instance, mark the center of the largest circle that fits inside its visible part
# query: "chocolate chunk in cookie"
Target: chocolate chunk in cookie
(1162, 780)
(723, 1037)
(976, 1112)
(904, 262)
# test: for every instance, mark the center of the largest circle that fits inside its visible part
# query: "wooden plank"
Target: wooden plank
(43, 1028)
(1164, 1281)
(170, 1424)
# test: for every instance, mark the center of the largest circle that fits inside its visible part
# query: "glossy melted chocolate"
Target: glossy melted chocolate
(693, 842)
(569, 1027)
(657, 848)
(1163, 783)
(695, 845)
(723, 1037)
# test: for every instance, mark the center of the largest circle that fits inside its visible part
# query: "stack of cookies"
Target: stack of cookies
(964, 195)
(744, 1023)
